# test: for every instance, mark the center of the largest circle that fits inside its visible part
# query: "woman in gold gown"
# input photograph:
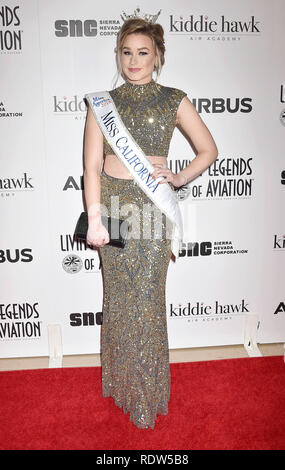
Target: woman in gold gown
(134, 340)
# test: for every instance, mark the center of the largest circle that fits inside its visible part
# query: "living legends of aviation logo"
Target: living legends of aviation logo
(78, 255)
(20, 321)
(226, 178)
(10, 34)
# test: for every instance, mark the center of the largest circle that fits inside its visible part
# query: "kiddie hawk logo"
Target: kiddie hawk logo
(204, 24)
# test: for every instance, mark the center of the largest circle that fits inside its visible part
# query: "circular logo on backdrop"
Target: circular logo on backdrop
(72, 263)
(183, 192)
(282, 117)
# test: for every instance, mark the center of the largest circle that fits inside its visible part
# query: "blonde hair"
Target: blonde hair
(154, 31)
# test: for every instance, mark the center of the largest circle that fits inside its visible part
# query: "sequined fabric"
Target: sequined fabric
(149, 113)
(134, 339)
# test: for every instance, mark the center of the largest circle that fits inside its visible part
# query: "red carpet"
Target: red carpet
(224, 404)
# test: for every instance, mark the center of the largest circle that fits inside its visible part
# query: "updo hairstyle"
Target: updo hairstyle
(138, 25)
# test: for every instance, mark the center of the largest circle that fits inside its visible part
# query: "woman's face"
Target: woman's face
(138, 58)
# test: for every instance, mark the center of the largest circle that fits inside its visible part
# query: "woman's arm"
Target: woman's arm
(97, 234)
(93, 157)
(190, 122)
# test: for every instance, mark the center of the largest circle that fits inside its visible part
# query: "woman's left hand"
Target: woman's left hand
(161, 170)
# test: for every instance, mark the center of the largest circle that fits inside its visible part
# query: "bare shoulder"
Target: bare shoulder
(186, 110)
(193, 125)
(91, 123)
(174, 97)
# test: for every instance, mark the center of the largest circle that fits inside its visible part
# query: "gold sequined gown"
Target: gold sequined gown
(134, 340)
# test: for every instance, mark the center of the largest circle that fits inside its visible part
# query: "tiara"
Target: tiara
(147, 17)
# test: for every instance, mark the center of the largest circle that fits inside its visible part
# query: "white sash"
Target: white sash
(136, 162)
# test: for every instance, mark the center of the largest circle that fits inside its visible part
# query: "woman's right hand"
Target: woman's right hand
(97, 234)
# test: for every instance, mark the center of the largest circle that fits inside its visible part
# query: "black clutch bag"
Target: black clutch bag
(117, 228)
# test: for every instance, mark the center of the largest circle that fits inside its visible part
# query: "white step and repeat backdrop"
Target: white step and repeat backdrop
(229, 57)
